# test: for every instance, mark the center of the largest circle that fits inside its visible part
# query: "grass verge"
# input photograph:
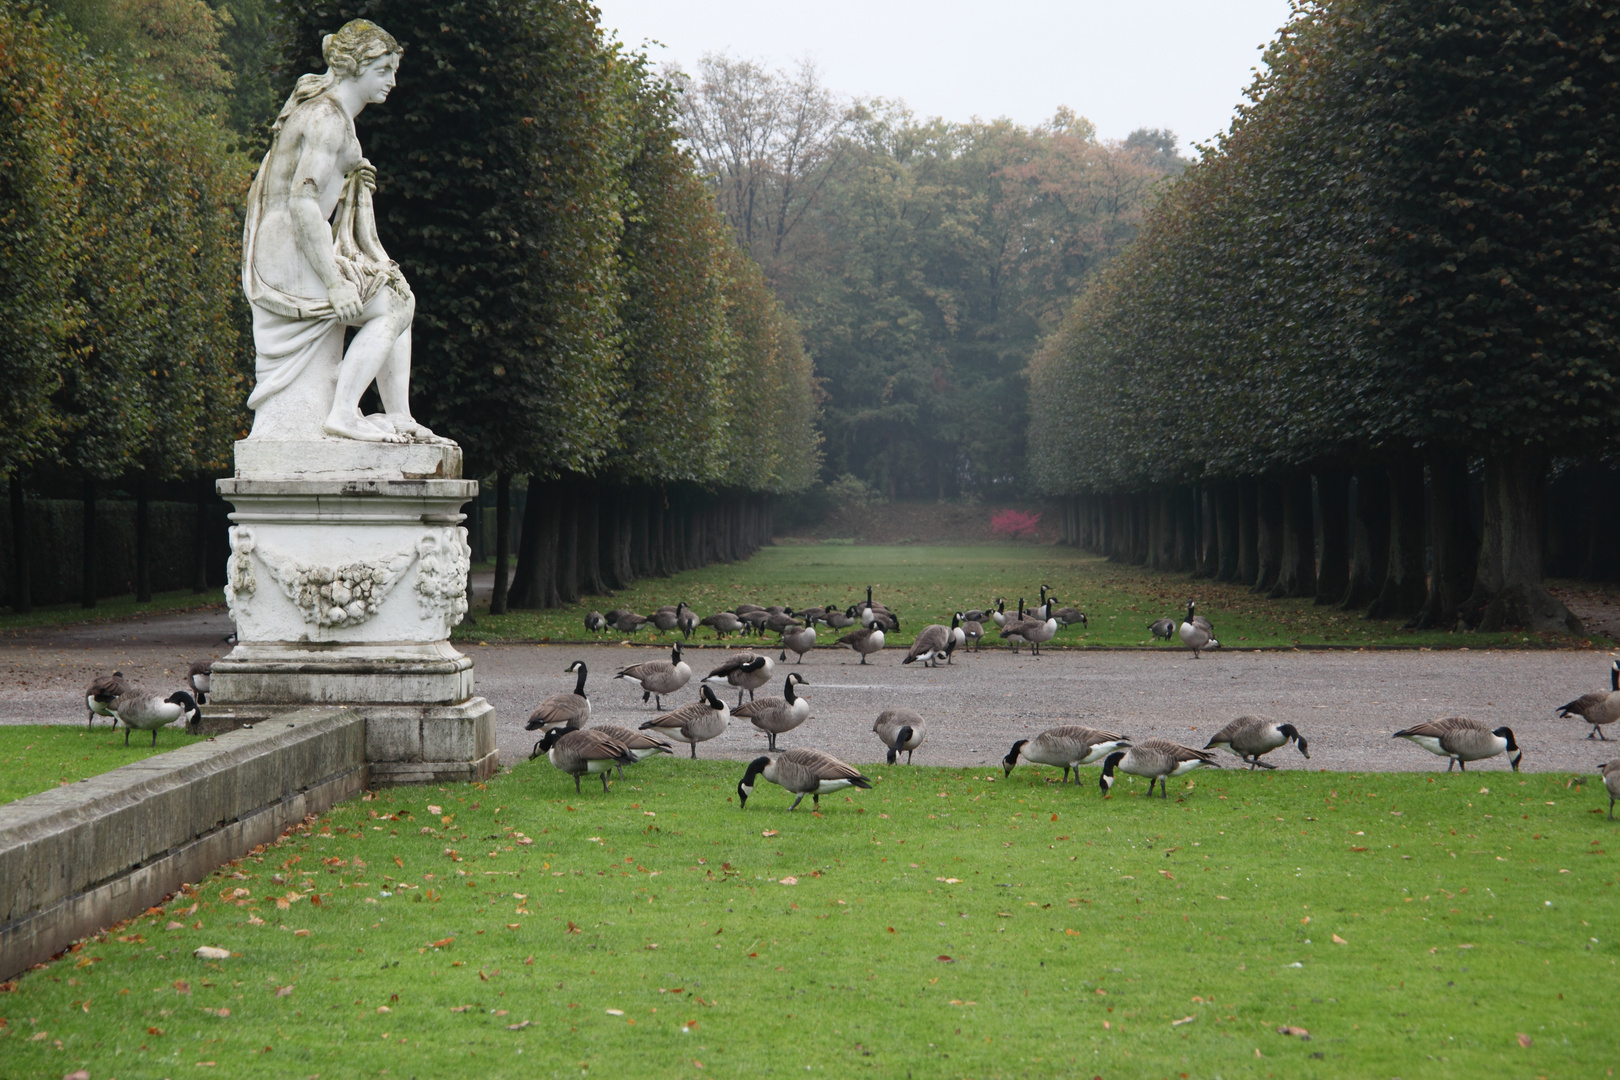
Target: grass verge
(39, 757)
(946, 923)
(117, 607)
(926, 584)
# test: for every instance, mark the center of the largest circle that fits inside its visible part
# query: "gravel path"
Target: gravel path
(1346, 703)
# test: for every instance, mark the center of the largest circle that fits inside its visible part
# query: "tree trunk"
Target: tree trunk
(503, 540)
(1207, 552)
(1333, 499)
(1268, 538)
(1508, 592)
(1369, 544)
(1405, 583)
(1184, 540)
(1226, 530)
(1451, 540)
(88, 561)
(199, 568)
(567, 511)
(22, 587)
(1296, 571)
(528, 584)
(1248, 530)
(143, 540)
(590, 539)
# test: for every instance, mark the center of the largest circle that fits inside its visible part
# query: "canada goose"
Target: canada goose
(657, 678)
(839, 620)
(746, 671)
(972, 631)
(1043, 610)
(801, 639)
(1197, 634)
(900, 729)
(755, 620)
(101, 695)
(639, 743)
(722, 623)
(1611, 780)
(803, 772)
(1163, 628)
(777, 715)
(1156, 759)
(199, 675)
(999, 616)
(148, 711)
(929, 645)
(629, 622)
(563, 710)
(667, 619)
(1599, 708)
(706, 718)
(686, 621)
(811, 615)
(588, 750)
(977, 615)
(744, 609)
(1067, 745)
(617, 613)
(1068, 616)
(782, 623)
(595, 622)
(1463, 740)
(1034, 631)
(879, 619)
(1249, 736)
(866, 642)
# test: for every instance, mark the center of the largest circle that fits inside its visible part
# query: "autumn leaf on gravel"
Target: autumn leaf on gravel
(1289, 1029)
(1337, 940)
(1183, 1020)
(1525, 1040)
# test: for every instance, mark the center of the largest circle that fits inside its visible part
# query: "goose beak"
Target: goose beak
(1304, 750)
(743, 791)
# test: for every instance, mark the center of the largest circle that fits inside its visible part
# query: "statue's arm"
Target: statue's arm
(318, 163)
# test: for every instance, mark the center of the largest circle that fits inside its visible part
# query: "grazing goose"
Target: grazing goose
(782, 622)
(1163, 628)
(657, 678)
(755, 620)
(1158, 760)
(803, 772)
(1599, 708)
(669, 618)
(629, 622)
(686, 621)
(589, 750)
(839, 620)
(1034, 631)
(722, 623)
(744, 609)
(777, 715)
(1463, 740)
(596, 622)
(811, 615)
(641, 745)
(999, 616)
(1197, 634)
(977, 615)
(101, 695)
(866, 642)
(147, 711)
(1067, 745)
(563, 710)
(801, 639)
(929, 645)
(617, 613)
(1249, 736)
(1068, 616)
(972, 630)
(199, 675)
(900, 729)
(706, 718)
(746, 671)
(1611, 780)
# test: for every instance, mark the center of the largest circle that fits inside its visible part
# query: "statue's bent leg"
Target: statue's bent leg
(381, 323)
(394, 385)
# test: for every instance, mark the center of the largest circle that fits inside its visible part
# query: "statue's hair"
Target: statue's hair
(355, 45)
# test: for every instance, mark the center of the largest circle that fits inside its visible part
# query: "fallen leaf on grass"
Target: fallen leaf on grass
(82, 1074)
(1289, 1029)
(218, 1012)
(950, 880)
(384, 1009)
(615, 1012)
(154, 1031)
(284, 991)
(513, 925)
(254, 920)
(771, 832)
(175, 926)
(1337, 940)
(790, 881)
(1183, 1020)
(211, 952)
(962, 1003)
(300, 933)
(942, 958)
(519, 1026)
(1525, 1040)
(572, 929)
(443, 942)
(40, 1036)
(460, 1008)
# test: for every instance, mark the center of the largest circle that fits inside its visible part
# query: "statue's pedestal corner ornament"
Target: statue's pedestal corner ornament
(340, 518)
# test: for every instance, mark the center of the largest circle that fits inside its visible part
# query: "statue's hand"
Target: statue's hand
(345, 300)
(368, 174)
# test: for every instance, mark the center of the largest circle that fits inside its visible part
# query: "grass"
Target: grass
(39, 757)
(926, 584)
(947, 923)
(117, 607)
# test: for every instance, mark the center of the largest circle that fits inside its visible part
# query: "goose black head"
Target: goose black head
(1614, 675)
(191, 715)
(549, 739)
(709, 696)
(745, 786)
(795, 677)
(902, 737)
(1190, 605)
(1292, 733)
(1512, 747)
(1011, 759)
(755, 664)
(1110, 763)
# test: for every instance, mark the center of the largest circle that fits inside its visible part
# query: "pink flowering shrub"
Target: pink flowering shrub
(1016, 525)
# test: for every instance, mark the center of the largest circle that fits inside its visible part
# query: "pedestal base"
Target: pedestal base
(298, 674)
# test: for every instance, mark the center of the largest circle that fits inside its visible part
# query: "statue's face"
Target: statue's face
(377, 78)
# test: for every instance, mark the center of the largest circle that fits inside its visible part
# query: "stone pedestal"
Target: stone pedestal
(348, 570)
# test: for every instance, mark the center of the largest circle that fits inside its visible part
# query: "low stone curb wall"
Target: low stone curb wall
(82, 857)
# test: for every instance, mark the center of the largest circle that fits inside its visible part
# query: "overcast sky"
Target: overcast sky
(1125, 64)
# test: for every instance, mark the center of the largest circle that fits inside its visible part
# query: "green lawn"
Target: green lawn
(117, 607)
(926, 583)
(38, 757)
(947, 923)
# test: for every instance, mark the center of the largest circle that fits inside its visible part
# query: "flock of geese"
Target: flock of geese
(112, 696)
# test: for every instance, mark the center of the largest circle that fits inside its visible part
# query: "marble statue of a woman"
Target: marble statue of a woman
(312, 265)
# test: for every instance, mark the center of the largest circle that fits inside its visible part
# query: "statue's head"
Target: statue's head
(362, 51)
